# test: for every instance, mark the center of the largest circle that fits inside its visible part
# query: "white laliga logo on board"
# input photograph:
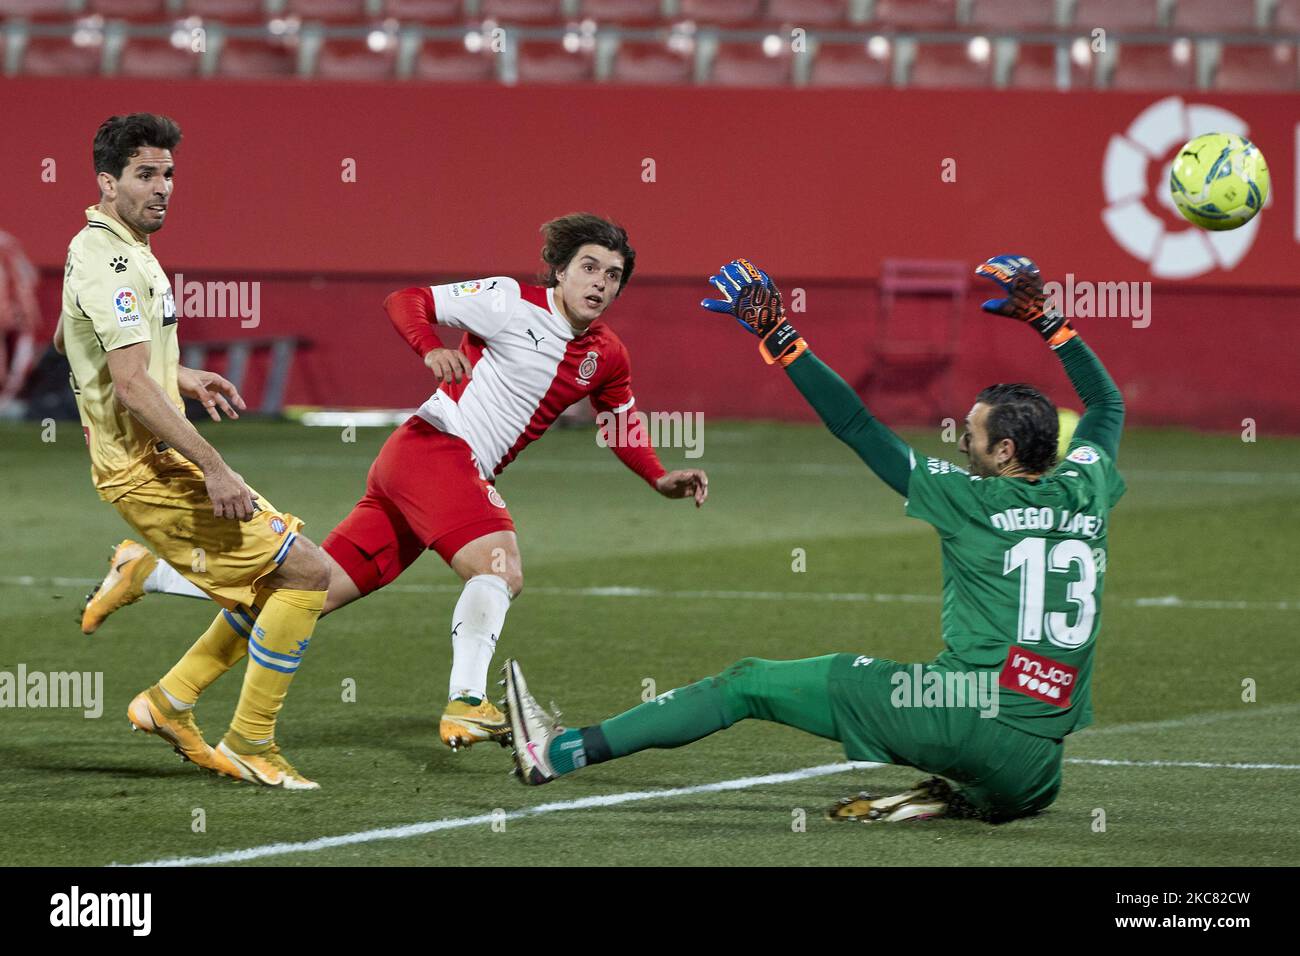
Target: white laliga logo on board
(1161, 127)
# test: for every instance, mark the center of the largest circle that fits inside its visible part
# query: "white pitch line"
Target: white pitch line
(849, 597)
(1196, 764)
(486, 819)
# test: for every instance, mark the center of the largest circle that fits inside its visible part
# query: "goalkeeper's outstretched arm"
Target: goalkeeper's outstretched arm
(1103, 418)
(849, 420)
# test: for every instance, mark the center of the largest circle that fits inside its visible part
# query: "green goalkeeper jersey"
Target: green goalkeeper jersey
(1024, 567)
(1024, 561)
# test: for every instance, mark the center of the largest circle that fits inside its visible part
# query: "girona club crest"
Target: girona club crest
(588, 368)
(494, 496)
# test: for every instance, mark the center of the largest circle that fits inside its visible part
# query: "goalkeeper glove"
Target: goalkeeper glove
(1025, 302)
(753, 299)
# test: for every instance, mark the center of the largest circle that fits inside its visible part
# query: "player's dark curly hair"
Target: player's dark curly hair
(120, 137)
(566, 235)
(1026, 416)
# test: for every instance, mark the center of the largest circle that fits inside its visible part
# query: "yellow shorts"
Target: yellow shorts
(225, 557)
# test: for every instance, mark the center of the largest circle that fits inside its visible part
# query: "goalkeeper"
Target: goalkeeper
(1024, 545)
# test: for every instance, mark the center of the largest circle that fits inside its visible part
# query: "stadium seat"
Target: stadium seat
(59, 56)
(1129, 15)
(916, 14)
(256, 59)
(328, 11)
(424, 11)
(850, 64)
(448, 61)
(623, 12)
(225, 11)
(549, 61)
(521, 11)
(1262, 68)
(808, 13)
(355, 60)
(1001, 16)
(128, 9)
(722, 12)
(1035, 69)
(152, 57)
(1154, 66)
(652, 63)
(1214, 16)
(948, 66)
(742, 63)
(1287, 16)
(36, 9)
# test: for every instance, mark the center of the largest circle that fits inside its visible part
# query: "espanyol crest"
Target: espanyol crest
(588, 367)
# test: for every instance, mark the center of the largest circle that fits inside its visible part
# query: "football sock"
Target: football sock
(164, 579)
(794, 693)
(217, 650)
(279, 639)
(475, 626)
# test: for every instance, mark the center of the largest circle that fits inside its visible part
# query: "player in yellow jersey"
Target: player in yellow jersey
(118, 327)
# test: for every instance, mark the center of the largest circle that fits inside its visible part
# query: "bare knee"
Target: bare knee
(305, 568)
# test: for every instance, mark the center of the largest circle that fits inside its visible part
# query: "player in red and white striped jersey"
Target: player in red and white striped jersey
(528, 353)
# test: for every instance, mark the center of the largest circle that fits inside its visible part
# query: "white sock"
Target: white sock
(167, 580)
(475, 627)
(178, 704)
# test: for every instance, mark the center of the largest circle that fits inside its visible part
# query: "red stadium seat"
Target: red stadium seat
(748, 64)
(549, 61)
(59, 56)
(1266, 67)
(950, 66)
(128, 9)
(625, 12)
(651, 63)
(226, 11)
(1000, 16)
(152, 57)
(722, 12)
(1154, 66)
(424, 11)
(256, 59)
(1035, 69)
(1287, 18)
(449, 61)
(521, 11)
(1214, 16)
(355, 60)
(850, 64)
(331, 11)
(916, 14)
(1131, 15)
(35, 9)
(809, 13)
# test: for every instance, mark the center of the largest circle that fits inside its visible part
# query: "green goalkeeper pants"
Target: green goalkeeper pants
(1004, 772)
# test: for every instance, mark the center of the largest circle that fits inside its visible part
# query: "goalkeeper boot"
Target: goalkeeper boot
(532, 729)
(928, 799)
(262, 764)
(151, 712)
(130, 564)
(468, 721)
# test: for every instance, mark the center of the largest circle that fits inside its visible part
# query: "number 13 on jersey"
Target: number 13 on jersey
(1033, 561)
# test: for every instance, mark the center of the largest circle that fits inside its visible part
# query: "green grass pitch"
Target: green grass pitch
(1208, 520)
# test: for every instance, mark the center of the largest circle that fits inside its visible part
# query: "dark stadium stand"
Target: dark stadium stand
(1248, 45)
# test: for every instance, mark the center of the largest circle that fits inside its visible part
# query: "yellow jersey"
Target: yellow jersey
(116, 294)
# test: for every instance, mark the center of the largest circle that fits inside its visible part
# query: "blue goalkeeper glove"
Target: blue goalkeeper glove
(1025, 302)
(752, 299)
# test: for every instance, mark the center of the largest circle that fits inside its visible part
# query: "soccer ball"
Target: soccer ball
(1219, 181)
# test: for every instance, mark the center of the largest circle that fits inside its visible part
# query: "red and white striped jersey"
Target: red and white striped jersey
(529, 366)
